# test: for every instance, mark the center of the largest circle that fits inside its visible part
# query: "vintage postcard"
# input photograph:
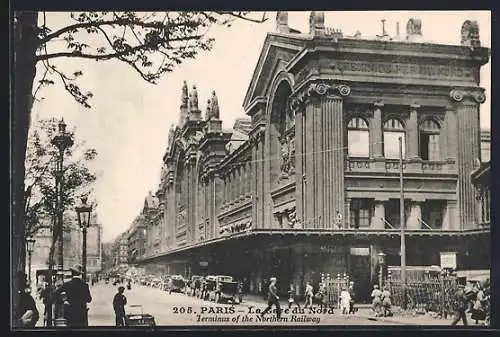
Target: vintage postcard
(251, 169)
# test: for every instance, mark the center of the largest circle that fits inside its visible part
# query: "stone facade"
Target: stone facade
(72, 246)
(315, 172)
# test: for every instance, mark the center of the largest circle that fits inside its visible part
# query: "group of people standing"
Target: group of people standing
(381, 301)
(346, 297)
(70, 297)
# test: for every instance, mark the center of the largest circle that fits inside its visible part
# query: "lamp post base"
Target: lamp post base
(58, 322)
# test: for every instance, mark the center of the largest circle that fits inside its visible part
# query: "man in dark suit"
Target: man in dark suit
(77, 295)
(119, 302)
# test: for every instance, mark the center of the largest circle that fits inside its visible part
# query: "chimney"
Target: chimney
(282, 22)
(317, 23)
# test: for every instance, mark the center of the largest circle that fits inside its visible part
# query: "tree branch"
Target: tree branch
(111, 55)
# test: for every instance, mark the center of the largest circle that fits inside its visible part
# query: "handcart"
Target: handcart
(139, 319)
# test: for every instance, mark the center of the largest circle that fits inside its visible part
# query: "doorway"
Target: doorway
(360, 274)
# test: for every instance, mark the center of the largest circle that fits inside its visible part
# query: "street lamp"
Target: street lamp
(62, 141)
(30, 247)
(381, 262)
(83, 212)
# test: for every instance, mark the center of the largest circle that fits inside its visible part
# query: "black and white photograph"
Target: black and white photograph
(250, 169)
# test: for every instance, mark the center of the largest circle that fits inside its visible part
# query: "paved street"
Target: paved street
(167, 311)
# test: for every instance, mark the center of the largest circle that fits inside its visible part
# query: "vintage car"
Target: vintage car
(195, 285)
(178, 284)
(224, 290)
(210, 287)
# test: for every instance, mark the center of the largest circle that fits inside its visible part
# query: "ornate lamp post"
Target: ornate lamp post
(62, 141)
(83, 212)
(381, 262)
(30, 247)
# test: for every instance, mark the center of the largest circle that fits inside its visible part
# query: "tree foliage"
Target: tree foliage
(40, 194)
(152, 44)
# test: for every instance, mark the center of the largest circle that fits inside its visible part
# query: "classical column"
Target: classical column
(450, 218)
(376, 130)
(467, 107)
(378, 215)
(309, 178)
(299, 159)
(413, 221)
(248, 180)
(321, 152)
(413, 132)
(333, 153)
(451, 133)
(347, 219)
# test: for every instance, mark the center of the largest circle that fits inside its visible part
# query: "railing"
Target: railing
(392, 165)
(426, 290)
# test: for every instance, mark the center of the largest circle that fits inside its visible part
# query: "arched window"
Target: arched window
(429, 140)
(358, 138)
(393, 129)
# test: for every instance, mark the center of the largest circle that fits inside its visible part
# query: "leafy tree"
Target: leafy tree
(40, 195)
(152, 44)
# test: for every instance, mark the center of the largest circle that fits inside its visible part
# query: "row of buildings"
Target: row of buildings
(72, 246)
(308, 182)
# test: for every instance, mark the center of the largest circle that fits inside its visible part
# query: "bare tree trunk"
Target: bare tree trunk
(25, 43)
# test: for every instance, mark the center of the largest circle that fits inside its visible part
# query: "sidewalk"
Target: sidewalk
(364, 313)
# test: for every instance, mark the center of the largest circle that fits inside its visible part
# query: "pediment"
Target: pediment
(277, 51)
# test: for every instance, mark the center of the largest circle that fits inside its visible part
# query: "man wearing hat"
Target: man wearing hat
(77, 295)
(119, 302)
(272, 298)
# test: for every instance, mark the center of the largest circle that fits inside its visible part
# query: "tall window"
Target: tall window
(360, 213)
(432, 213)
(393, 129)
(429, 140)
(358, 143)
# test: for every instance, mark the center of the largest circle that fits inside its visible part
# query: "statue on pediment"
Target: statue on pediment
(414, 27)
(470, 34)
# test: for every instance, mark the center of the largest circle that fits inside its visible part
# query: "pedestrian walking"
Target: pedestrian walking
(460, 302)
(386, 302)
(77, 295)
(352, 294)
(291, 297)
(376, 300)
(119, 302)
(27, 314)
(478, 312)
(272, 299)
(345, 300)
(309, 295)
(321, 294)
(46, 296)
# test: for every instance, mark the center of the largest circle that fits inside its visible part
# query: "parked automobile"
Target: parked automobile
(178, 284)
(223, 289)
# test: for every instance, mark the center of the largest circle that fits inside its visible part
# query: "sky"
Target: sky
(129, 120)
